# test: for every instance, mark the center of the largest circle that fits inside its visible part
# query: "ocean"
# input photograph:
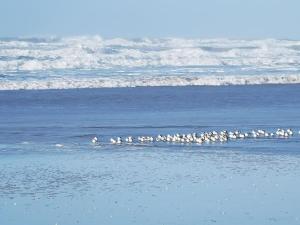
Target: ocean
(57, 94)
(95, 62)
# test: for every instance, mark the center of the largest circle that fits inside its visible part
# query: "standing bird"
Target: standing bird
(95, 140)
(129, 139)
(113, 141)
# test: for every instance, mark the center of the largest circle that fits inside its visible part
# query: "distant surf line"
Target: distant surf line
(155, 81)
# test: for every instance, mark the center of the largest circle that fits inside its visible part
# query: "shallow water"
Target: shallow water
(252, 181)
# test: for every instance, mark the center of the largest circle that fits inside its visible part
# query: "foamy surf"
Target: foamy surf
(147, 81)
(95, 62)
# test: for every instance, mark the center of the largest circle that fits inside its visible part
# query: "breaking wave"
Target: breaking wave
(148, 81)
(94, 62)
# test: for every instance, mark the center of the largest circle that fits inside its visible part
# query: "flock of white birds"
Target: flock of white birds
(200, 138)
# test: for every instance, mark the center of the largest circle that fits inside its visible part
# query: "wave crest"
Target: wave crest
(92, 61)
(96, 52)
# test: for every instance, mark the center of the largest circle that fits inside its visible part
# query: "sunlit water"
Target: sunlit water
(50, 173)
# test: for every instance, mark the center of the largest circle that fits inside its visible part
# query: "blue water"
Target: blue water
(251, 181)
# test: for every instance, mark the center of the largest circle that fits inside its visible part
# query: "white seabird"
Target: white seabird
(95, 140)
(113, 141)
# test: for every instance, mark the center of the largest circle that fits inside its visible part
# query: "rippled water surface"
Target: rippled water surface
(50, 173)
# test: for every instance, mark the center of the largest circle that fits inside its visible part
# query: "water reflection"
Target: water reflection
(135, 169)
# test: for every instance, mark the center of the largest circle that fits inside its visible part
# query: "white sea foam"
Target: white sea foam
(59, 83)
(95, 52)
(42, 63)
